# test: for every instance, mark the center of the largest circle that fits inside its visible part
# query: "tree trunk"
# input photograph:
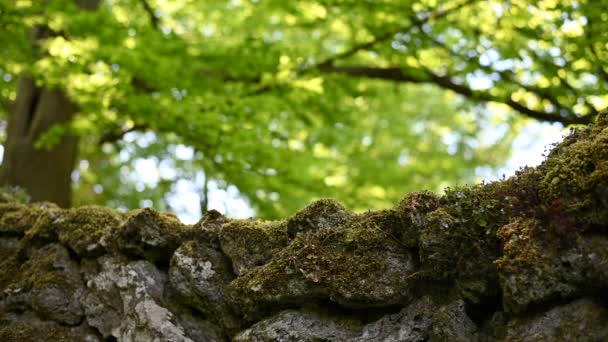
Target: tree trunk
(45, 174)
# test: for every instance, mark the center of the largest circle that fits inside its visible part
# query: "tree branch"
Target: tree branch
(508, 77)
(423, 75)
(388, 35)
(150, 11)
(114, 136)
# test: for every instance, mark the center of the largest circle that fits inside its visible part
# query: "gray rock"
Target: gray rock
(451, 323)
(125, 301)
(549, 273)
(199, 275)
(579, 321)
(320, 214)
(411, 324)
(49, 283)
(296, 326)
(150, 234)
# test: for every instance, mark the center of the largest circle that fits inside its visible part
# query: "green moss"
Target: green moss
(250, 243)
(357, 263)
(10, 267)
(150, 234)
(16, 218)
(44, 229)
(86, 230)
(576, 174)
(320, 214)
(411, 211)
(38, 272)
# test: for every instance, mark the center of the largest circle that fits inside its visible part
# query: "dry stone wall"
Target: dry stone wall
(521, 259)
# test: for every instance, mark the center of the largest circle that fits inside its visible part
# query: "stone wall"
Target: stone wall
(522, 259)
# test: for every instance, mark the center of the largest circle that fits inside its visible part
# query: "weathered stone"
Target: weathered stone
(411, 273)
(200, 274)
(29, 328)
(533, 271)
(208, 227)
(451, 323)
(580, 320)
(296, 326)
(49, 283)
(412, 210)
(320, 214)
(355, 265)
(250, 243)
(152, 235)
(87, 230)
(125, 301)
(411, 324)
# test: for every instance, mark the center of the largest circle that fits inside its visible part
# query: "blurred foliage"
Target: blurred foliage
(294, 100)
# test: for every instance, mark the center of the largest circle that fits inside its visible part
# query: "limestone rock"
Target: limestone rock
(411, 324)
(320, 214)
(532, 271)
(296, 326)
(49, 283)
(125, 301)
(451, 323)
(152, 235)
(580, 320)
(200, 274)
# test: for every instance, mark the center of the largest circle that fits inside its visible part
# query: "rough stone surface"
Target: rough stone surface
(356, 265)
(548, 272)
(451, 323)
(200, 274)
(250, 243)
(150, 234)
(581, 320)
(49, 283)
(295, 326)
(411, 324)
(125, 301)
(522, 259)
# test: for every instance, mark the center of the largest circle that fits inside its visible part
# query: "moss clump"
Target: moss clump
(355, 264)
(87, 230)
(151, 234)
(534, 269)
(16, 218)
(47, 282)
(575, 174)
(208, 227)
(411, 211)
(250, 243)
(320, 214)
(44, 229)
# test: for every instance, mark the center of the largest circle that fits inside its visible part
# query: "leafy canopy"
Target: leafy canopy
(293, 100)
